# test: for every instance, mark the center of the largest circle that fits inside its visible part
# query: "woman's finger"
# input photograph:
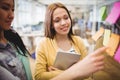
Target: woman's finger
(99, 51)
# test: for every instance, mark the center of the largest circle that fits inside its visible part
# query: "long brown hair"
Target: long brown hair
(49, 30)
(13, 37)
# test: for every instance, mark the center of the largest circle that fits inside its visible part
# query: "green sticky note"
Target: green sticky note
(103, 13)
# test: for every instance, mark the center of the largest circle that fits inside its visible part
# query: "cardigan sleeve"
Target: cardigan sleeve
(41, 63)
(80, 44)
(83, 49)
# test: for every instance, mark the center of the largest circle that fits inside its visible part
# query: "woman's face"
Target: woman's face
(61, 21)
(6, 13)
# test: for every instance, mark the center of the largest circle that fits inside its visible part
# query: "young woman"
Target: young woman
(58, 37)
(14, 64)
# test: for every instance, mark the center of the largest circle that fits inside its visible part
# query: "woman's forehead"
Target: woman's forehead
(59, 10)
(7, 2)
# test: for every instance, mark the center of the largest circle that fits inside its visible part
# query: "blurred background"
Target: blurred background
(87, 16)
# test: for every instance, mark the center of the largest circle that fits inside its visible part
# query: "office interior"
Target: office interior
(87, 16)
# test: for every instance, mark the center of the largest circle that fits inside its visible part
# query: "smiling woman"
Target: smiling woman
(58, 37)
(14, 63)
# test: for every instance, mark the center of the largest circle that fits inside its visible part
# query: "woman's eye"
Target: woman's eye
(66, 17)
(56, 20)
(13, 9)
(5, 8)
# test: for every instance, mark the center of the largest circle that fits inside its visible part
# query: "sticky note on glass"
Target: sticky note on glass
(117, 54)
(103, 13)
(106, 37)
(114, 14)
(113, 44)
(98, 34)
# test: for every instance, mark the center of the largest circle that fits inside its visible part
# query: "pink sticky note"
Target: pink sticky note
(117, 55)
(114, 14)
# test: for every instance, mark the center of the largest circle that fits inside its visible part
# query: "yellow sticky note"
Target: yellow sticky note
(106, 37)
(98, 34)
(113, 44)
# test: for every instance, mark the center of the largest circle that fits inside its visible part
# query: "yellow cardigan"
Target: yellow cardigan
(46, 54)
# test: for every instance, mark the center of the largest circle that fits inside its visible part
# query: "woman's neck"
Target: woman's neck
(2, 38)
(63, 42)
(61, 38)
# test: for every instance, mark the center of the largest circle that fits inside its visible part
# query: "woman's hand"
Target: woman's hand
(91, 63)
(51, 68)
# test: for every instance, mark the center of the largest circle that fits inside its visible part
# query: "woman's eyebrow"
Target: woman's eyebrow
(7, 4)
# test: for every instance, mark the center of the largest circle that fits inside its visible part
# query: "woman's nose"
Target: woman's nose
(11, 14)
(63, 22)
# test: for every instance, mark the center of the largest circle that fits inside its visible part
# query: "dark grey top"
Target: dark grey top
(11, 68)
